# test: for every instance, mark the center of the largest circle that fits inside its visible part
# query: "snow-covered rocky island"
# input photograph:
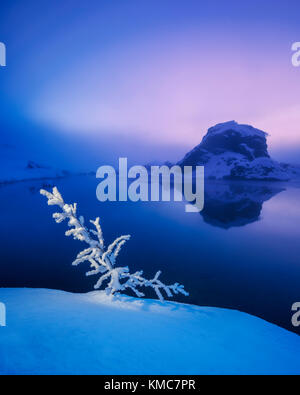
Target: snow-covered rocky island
(237, 152)
(54, 332)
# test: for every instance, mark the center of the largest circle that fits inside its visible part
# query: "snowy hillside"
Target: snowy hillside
(56, 332)
(16, 167)
(233, 151)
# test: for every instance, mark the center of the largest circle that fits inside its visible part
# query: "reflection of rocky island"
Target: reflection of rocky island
(234, 203)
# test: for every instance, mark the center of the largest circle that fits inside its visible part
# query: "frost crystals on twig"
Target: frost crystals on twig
(102, 261)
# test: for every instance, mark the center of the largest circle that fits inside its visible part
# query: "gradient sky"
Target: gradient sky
(146, 78)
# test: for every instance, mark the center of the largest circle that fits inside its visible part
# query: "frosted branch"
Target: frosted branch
(103, 261)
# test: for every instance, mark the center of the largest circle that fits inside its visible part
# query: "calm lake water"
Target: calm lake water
(242, 252)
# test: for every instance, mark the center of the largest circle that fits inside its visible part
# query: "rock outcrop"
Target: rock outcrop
(233, 151)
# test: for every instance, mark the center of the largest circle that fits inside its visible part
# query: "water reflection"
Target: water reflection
(235, 204)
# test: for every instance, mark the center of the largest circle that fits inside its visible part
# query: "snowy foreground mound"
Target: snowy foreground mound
(54, 332)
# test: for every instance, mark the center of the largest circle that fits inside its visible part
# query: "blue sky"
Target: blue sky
(146, 78)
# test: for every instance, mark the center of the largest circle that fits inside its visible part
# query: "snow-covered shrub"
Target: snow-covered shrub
(103, 260)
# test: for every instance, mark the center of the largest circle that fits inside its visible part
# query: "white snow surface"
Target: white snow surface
(220, 166)
(54, 332)
(243, 130)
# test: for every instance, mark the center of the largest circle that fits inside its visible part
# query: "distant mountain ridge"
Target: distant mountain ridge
(15, 167)
(233, 151)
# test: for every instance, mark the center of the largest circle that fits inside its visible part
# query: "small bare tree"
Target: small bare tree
(102, 261)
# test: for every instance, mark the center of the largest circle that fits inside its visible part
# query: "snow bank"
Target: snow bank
(54, 332)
